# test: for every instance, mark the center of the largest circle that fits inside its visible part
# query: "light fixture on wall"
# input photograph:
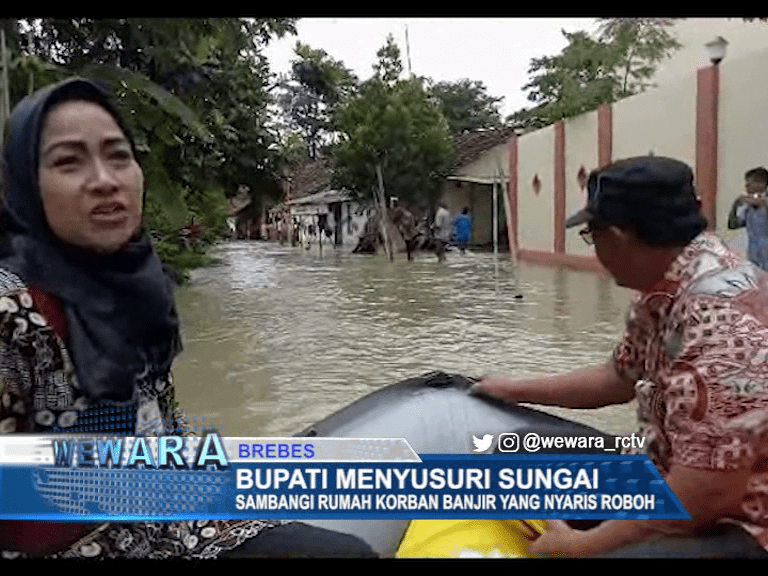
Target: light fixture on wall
(716, 49)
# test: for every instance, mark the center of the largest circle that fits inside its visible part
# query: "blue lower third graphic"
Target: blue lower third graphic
(434, 486)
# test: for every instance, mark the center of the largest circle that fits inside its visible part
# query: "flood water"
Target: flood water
(278, 337)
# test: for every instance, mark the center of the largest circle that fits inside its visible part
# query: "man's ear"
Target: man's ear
(623, 236)
(618, 233)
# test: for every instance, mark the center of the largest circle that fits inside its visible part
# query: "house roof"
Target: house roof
(470, 145)
(323, 197)
(309, 177)
(314, 176)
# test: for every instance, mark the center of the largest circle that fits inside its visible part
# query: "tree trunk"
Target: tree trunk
(383, 214)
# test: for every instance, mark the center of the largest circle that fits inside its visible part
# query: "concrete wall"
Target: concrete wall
(479, 199)
(487, 166)
(473, 188)
(580, 152)
(743, 127)
(535, 161)
(662, 121)
(744, 38)
(714, 119)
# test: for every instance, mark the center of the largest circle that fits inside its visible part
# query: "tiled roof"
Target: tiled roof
(470, 145)
(324, 197)
(309, 177)
(315, 175)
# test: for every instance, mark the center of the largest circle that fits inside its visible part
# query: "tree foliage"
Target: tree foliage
(574, 81)
(393, 124)
(312, 95)
(589, 71)
(638, 45)
(389, 65)
(466, 105)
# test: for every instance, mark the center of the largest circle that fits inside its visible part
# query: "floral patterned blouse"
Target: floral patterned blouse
(39, 394)
(697, 346)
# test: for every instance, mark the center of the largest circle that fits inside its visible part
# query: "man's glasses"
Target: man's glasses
(588, 233)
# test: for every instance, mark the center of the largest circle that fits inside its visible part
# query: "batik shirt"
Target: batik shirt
(39, 394)
(696, 345)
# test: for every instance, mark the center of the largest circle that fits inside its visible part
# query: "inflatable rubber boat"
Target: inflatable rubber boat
(436, 414)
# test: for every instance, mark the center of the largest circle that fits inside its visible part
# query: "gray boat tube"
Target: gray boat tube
(436, 414)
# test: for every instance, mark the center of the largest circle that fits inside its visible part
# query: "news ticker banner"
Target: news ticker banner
(122, 479)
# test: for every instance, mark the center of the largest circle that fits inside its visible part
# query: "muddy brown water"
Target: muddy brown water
(278, 337)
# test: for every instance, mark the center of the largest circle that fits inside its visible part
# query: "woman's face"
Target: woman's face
(90, 182)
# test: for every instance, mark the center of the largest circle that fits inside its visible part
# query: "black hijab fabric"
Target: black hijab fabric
(122, 324)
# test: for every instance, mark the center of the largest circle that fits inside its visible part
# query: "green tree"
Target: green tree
(591, 71)
(392, 124)
(389, 66)
(640, 45)
(573, 82)
(466, 105)
(312, 94)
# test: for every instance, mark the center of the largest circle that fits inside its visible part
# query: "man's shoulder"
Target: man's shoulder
(727, 282)
(729, 296)
(708, 267)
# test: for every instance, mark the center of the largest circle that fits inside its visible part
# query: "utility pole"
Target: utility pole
(408, 50)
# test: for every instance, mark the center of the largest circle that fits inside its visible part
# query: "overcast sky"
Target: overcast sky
(496, 51)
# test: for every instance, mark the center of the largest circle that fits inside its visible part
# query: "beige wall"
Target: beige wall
(580, 150)
(743, 39)
(487, 166)
(536, 156)
(662, 121)
(743, 127)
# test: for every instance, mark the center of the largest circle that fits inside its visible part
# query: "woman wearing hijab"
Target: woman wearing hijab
(88, 327)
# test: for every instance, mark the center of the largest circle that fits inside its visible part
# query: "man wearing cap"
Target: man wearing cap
(694, 355)
(750, 211)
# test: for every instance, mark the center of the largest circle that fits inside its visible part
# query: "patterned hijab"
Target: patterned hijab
(122, 324)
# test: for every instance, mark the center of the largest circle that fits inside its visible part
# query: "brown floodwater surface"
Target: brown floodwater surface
(278, 337)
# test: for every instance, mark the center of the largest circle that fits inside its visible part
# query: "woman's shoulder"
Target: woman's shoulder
(10, 283)
(21, 318)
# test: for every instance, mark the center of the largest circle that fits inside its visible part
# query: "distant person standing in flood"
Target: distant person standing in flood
(442, 230)
(406, 225)
(750, 211)
(462, 229)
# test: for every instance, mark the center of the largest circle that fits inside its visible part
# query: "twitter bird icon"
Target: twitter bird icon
(482, 444)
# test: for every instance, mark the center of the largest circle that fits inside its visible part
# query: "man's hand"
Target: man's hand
(560, 541)
(708, 496)
(586, 388)
(494, 387)
(752, 201)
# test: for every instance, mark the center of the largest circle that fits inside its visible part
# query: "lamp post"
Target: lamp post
(716, 49)
(708, 88)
